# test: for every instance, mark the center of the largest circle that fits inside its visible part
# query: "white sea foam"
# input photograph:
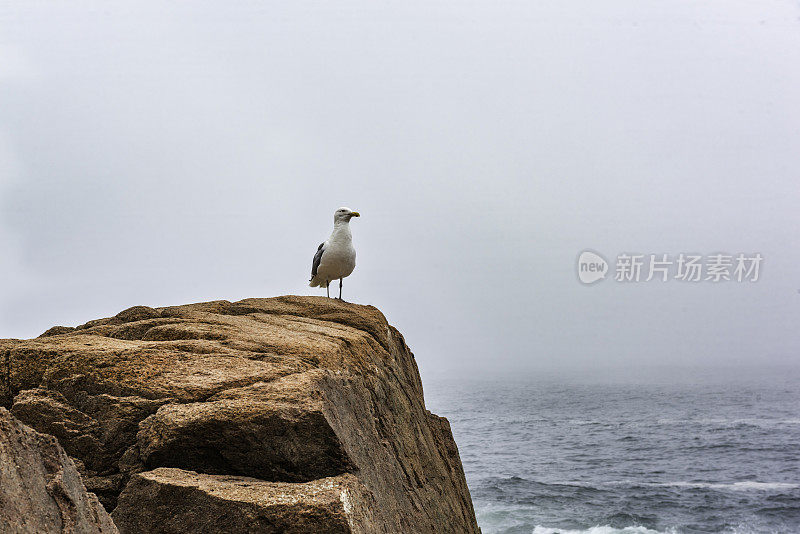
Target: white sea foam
(601, 529)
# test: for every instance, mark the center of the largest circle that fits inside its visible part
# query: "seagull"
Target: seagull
(336, 257)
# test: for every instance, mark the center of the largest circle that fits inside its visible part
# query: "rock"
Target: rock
(57, 330)
(97, 441)
(40, 489)
(273, 441)
(222, 504)
(295, 395)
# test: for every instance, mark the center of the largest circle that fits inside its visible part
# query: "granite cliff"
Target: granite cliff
(289, 414)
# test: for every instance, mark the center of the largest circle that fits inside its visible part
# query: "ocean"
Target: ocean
(700, 453)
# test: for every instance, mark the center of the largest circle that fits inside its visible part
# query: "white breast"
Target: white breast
(339, 258)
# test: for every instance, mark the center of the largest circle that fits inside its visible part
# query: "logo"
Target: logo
(591, 267)
(684, 267)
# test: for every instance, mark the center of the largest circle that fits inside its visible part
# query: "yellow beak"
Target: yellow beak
(355, 214)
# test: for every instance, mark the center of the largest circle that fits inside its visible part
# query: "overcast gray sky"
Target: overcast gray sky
(173, 152)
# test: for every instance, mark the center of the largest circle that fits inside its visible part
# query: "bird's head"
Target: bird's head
(344, 215)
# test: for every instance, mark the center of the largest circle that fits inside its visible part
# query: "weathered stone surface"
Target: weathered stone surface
(219, 504)
(273, 441)
(40, 489)
(97, 441)
(288, 390)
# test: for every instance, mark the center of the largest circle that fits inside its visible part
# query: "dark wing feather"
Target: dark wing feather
(317, 259)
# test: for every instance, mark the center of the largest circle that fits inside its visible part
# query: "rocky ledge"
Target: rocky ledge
(289, 414)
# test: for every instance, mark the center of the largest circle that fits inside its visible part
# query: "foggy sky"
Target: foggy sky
(162, 153)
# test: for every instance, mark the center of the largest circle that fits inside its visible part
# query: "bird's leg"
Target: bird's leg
(340, 289)
(328, 289)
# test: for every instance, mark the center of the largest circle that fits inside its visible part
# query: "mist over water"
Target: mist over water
(719, 453)
(160, 153)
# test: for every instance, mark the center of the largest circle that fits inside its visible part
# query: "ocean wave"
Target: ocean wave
(601, 529)
(731, 422)
(746, 485)
(742, 485)
(606, 529)
(542, 489)
(736, 486)
(727, 423)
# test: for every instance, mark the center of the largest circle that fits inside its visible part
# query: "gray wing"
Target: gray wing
(317, 259)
